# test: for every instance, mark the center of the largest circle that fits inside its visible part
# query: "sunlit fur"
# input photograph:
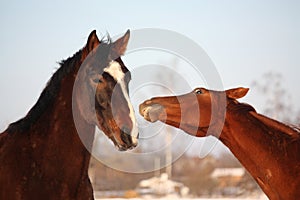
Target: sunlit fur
(268, 149)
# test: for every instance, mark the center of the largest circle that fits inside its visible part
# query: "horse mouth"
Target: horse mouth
(151, 112)
(129, 142)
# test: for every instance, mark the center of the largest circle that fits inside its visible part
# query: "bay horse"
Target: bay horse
(43, 156)
(268, 149)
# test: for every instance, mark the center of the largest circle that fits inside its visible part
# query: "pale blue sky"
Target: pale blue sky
(243, 38)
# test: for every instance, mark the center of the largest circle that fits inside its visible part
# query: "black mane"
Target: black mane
(49, 94)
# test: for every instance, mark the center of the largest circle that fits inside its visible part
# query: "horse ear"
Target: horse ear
(237, 93)
(119, 47)
(93, 41)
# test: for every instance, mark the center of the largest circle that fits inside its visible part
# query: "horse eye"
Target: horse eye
(97, 80)
(198, 91)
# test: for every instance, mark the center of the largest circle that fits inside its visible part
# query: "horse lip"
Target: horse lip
(127, 146)
(128, 140)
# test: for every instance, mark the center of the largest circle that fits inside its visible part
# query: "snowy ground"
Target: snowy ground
(263, 197)
(119, 194)
(171, 198)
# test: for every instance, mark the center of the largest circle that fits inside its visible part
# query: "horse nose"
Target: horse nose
(126, 137)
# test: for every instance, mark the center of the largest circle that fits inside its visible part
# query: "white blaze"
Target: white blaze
(115, 70)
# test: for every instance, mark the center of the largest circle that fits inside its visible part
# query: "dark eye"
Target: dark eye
(199, 91)
(97, 80)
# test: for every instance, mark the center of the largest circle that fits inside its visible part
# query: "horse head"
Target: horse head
(101, 92)
(193, 112)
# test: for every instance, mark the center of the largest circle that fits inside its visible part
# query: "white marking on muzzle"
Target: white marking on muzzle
(115, 70)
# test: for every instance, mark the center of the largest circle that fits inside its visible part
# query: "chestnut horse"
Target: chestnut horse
(43, 156)
(268, 149)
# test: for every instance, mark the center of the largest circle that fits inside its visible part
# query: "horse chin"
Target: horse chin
(124, 148)
(121, 147)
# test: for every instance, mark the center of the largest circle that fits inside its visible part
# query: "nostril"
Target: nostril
(138, 136)
(126, 138)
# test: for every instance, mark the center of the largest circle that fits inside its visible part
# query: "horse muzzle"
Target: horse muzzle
(128, 140)
(151, 112)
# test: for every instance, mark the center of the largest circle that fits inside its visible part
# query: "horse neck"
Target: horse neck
(60, 116)
(56, 145)
(263, 148)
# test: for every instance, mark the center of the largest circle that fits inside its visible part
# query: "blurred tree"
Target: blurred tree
(278, 103)
(248, 185)
(227, 160)
(297, 121)
(195, 173)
